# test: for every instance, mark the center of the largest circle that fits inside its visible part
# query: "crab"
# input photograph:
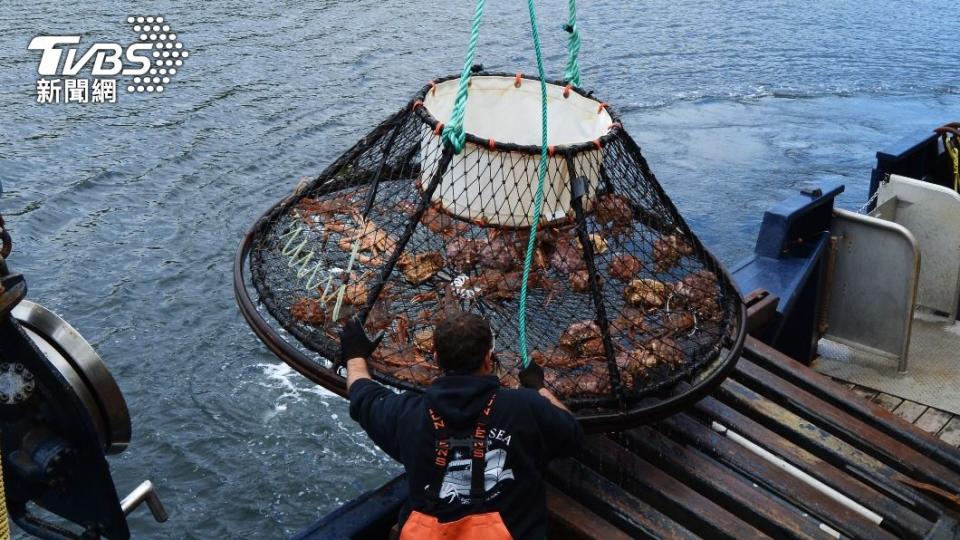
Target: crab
(418, 269)
(506, 364)
(646, 293)
(355, 292)
(445, 303)
(599, 244)
(665, 350)
(635, 366)
(577, 333)
(625, 267)
(497, 285)
(443, 224)
(636, 362)
(406, 207)
(697, 286)
(593, 348)
(560, 383)
(427, 296)
(310, 210)
(499, 252)
(594, 381)
(630, 321)
(580, 281)
(614, 211)
(556, 358)
(699, 292)
(368, 234)
(679, 321)
(463, 253)
(423, 340)
(668, 250)
(379, 317)
(656, 352)
(308, 311)
(399, 351)
(509, 380)
(567, 258)
(424, 316)
(547, 240)
(421, 373)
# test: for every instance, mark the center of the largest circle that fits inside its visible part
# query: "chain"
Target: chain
(870, 201)
(873, 198)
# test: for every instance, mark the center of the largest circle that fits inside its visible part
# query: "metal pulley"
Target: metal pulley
(61, 412)
(82, 369)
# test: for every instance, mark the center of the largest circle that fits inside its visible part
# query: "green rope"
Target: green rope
(453, 133)
(572, 73)
(538, 198)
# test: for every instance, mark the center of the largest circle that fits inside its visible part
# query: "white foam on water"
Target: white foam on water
(295, 388)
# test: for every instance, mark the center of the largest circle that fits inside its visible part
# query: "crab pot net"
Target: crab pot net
(624, 301)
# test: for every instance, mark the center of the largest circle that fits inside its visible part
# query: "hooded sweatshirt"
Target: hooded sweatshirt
(525, 432)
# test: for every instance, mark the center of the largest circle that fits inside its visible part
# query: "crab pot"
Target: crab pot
(630, 316)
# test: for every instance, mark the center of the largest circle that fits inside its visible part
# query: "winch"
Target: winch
(61, 413)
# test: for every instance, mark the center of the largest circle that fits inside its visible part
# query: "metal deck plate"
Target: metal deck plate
(934, 365)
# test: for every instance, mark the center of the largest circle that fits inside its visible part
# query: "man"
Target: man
(474, 452)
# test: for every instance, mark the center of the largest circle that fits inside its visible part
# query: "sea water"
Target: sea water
(126, 216)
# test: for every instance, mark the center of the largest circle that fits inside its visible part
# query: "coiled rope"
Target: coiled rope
(952, 147)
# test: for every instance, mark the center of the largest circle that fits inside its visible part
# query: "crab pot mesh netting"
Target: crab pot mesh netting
(623, 302)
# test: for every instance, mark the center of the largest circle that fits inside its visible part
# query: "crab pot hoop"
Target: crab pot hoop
(504, 116)
(630, 315)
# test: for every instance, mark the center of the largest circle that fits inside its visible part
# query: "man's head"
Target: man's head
(462, 344)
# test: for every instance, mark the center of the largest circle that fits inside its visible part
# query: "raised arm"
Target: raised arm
(355, 348)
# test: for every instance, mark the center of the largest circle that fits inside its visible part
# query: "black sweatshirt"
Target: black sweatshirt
(525, 432)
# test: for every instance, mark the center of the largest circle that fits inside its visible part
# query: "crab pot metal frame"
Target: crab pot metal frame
(395, 191)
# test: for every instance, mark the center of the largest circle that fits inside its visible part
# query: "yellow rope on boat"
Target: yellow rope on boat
(952, 146)
(4, 520)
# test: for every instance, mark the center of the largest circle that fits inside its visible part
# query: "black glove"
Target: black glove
(354, 342)
(532, 376)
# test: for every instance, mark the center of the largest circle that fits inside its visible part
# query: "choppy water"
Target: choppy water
(126, 216)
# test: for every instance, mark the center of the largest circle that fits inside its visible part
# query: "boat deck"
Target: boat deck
(939, 423)
(932, 373)
(777, 451)
(807, 458)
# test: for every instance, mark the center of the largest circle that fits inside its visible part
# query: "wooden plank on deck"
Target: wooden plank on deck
(625, 511)
(837, 422)
(833, 473)
(864, 392)
(933, 420)
(950, 433)
(570, 519)
(910, 410)
(887, 401)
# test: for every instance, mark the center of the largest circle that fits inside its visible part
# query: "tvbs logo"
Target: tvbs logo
(150, 62)
(108, 58)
